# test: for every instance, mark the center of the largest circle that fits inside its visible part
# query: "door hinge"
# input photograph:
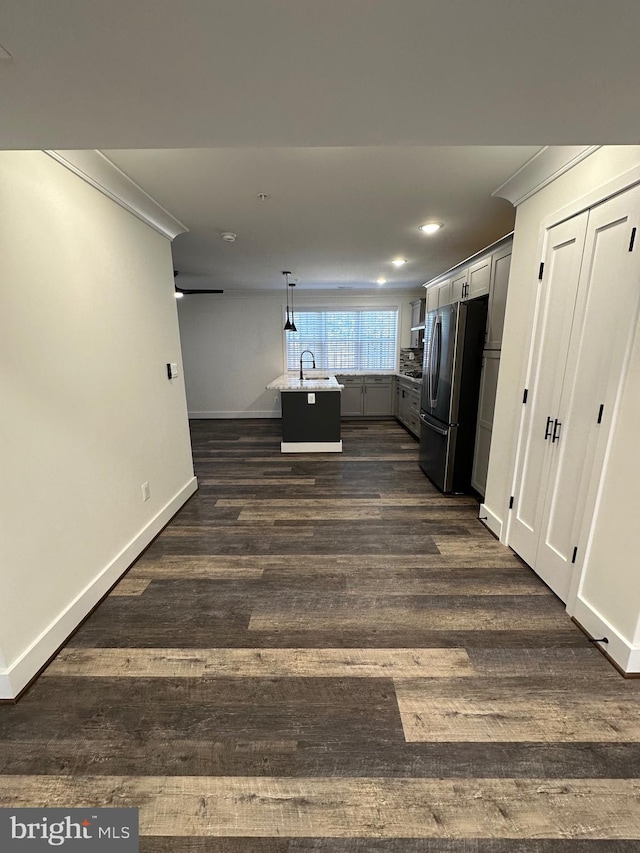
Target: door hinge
(633, 239)
(600, 413)
(575, 554)
(525, 395)
(541, 271)
(511, 499)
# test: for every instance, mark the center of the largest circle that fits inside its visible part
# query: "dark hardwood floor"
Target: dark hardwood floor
(322, 654)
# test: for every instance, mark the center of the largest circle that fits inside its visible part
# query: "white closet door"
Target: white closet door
(604, 319)
(547, 360)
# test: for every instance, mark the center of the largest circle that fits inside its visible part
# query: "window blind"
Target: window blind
(355, 339)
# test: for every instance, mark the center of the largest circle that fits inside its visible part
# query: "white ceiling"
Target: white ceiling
(365, 86)
(335, 217)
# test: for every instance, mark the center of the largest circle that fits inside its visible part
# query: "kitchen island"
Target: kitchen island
(310, 412)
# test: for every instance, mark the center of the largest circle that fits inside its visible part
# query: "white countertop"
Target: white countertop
(325, 380)
(320, 381)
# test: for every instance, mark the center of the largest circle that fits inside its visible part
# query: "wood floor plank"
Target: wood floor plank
(271, 663)
(440, 584)
(517, 709)
(434, 503)
(352, 513)
(209, 567)
(131, 586)
(350, 807)
(472, 613)
(258, 481)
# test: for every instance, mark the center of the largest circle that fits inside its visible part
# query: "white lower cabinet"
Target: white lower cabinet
(370, 396)
(484, 427)
(378, 396)
(408, 404)
(351, 397)
(587, 310)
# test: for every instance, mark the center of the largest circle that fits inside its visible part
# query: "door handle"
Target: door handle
(547, 431)
(428, 424)
(556, 426)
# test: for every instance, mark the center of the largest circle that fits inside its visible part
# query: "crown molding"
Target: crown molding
(543, 168)
(97, 170)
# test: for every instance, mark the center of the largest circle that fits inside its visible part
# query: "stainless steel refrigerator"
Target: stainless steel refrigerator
(454, 339)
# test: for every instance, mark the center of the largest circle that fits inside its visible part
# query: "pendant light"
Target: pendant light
(287, 326)
(293, 322)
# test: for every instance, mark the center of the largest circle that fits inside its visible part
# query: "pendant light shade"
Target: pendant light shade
(287, 325)
(290, 325)
(293, 322)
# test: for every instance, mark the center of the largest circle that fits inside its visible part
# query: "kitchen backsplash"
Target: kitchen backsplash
(407, 363)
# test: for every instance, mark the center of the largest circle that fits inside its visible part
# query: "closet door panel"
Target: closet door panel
(604, 321)
(548, 356)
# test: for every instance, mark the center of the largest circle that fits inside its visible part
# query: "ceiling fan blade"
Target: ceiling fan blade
(199, 290)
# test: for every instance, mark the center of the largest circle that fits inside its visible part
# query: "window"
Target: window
(355, 339)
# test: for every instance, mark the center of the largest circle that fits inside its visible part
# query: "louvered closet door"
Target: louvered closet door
(547, 360)
(604, 320)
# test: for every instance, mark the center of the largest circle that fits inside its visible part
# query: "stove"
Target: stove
(413, 374)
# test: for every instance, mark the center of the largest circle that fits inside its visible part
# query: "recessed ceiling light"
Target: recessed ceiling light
(229, 237)
(381, 281)
(399, 262)
(178, 295)
(430, 227)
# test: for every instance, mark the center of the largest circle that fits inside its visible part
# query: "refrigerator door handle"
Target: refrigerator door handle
(430, 361)
(436, 359)
(435, 428)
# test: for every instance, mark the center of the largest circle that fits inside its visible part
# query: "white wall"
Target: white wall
(610, 577)
(88, 322)
(233, 346)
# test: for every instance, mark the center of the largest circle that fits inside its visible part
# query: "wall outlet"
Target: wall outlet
(146, 491)
(411, 356)
(311, 398)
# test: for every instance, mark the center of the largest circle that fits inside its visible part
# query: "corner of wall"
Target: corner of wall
(16, 676)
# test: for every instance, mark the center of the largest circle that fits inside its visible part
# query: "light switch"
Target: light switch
(311, 398)
(172, 370)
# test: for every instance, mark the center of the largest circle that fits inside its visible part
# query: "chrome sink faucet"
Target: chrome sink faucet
(312, 356)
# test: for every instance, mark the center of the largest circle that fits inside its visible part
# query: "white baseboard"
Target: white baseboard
(268, 413)
(15, 677)
(490, 520)
(624, 654)
(311, 446)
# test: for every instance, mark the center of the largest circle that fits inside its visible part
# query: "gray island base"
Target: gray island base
(310, 413)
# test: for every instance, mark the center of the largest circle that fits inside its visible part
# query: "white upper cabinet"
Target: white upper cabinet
(432, 298)
(479, 278)
(459, 284)
(488, 274)
(444, 293)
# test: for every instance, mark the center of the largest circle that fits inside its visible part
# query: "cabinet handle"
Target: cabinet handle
(556, 426)
(547, 431)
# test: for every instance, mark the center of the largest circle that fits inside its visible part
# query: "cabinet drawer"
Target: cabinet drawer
(413, 423)
(350, 380)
